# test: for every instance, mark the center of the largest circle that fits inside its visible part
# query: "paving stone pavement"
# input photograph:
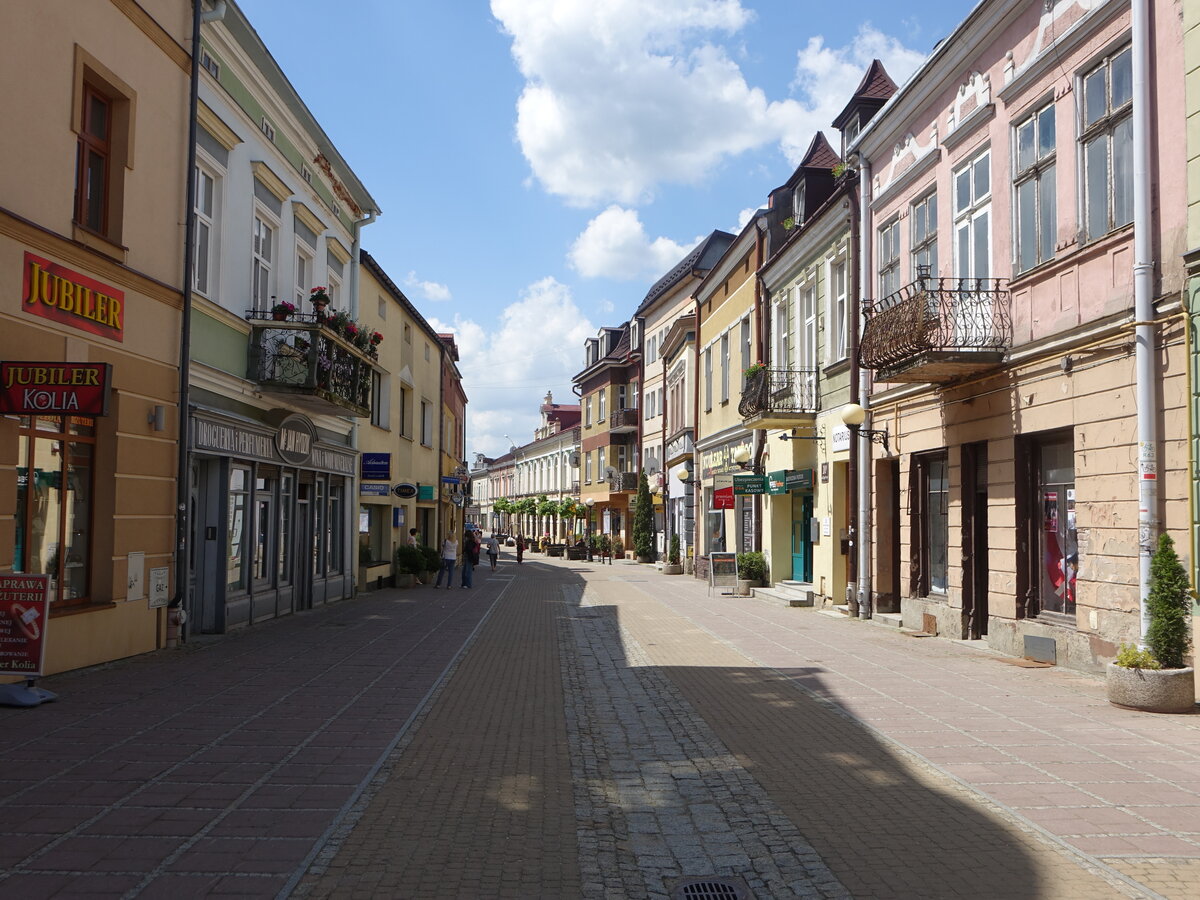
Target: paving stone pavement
(573, 730)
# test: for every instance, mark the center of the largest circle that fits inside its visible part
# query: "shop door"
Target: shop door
(303, 556)
(206, 572)
(802, 551)
(975, 540)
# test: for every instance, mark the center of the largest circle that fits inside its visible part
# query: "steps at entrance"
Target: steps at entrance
(891, 620)
(789, 593)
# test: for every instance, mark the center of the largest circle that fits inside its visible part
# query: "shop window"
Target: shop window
(931, 531)
(715, 533)
(239, 499)
(335, 550)
(55, 477)
(1047, 466)
(284, 554)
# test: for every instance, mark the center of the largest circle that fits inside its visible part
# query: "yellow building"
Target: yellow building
(400, 475)
(91, 255)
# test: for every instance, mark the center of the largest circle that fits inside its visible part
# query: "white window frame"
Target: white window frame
(209, 221)
(708, 379)
(334, 289)
(837, 279)
(889, 257)
(262, 265)
(1103, 130)
(426, 423)
(806, 346)
(303, 273)
(602, 405)
(973, 217)
(923, 247)
(587, 412)
(747, 348)
(725, 367)
(779, 333)
(1035, 183)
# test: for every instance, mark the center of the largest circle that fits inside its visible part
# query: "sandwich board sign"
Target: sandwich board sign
(722, 572)
(24, 611)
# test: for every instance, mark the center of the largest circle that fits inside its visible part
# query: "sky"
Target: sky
(539, 164)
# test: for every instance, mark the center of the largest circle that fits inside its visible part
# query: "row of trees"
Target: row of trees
(566, 509)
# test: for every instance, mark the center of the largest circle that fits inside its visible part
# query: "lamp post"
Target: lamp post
(682, 475)
(854, 416)
(589, 502)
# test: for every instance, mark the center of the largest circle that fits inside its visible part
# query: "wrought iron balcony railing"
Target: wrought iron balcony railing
(623, 481)
(937, 329)
(623, 420)
(306, 359)
(774, 392)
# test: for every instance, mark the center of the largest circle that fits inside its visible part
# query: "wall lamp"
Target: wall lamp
(682, 475)
(157, 418)
(854, 415)
(742, 458)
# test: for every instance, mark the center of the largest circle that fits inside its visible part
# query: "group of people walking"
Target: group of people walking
(473, 543)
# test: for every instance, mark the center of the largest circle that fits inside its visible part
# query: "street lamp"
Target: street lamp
(853, 415)
(589, 502)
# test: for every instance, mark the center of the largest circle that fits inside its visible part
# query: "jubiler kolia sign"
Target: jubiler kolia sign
(54, 388)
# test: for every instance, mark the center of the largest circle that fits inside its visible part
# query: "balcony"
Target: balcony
(623, 421)
(623, 481)
(938, 330)
(309, 365)
(779, 398)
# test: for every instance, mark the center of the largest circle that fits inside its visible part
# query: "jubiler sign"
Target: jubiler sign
(54, 388)
(55, 292)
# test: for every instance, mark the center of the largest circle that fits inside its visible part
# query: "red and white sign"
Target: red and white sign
(722, 498)
(54, 388)
(53, 291)
(24, 610)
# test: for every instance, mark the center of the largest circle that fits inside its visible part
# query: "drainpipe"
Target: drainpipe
(178, 607)
(351, 541)
(855, 395)
(216, 14)
(863, 450)
(1145, 335)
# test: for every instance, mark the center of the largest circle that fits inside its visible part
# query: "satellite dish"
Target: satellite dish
(610, 473)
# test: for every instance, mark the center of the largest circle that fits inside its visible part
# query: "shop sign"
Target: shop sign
(722, 498)
(719, 460)
(746, 485)
(425, 492)
(57, 293)
(841, 438)
(398, 516)
(405, 491)
(333, 461)
(295, 440)
(680, 446)
(226, 439)
(799, 479)
(377, 466)
(372, 490)
(54, 388)
(24, 610)
(775, 484)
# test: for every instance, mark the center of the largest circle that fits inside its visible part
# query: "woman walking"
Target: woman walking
(493, 550)
(470, 558)
(520, 549)
(449, 558)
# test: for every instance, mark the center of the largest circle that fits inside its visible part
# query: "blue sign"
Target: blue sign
(373, 490)
(377, 467)
(397, 516)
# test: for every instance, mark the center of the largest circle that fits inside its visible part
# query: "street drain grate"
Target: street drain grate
(711, 889)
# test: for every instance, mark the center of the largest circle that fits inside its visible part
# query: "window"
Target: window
(210, 64)
(972, 218)
(808, 327)
(55, 475)
(235, 554)
(651, 349)
(283, 552)
(923, 235)
(1049, 463)
(304, 277)
(426, 423)
(587, 412)
(602, 403)
(622, 391)
(1107, 144)
(405, 407)
(380, 400)
(725, 367)
(932, 530)
(335, 524)
(407, 333)
(1033, 184)
(798, 204)
(839, 312)
(715, 537)
(205, 243)
(747, 359)
(587, 468)
(334, 289)
(263, 250)
(93, 161)
(889, 258)
(708, 373)
(601, 465)
(779, 336)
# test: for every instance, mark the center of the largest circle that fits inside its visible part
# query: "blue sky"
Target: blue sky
(540, 163)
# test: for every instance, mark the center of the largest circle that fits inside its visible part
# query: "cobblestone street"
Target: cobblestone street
(572, 730)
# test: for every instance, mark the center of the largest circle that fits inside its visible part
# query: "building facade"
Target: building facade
(279, 372)
(1001, 236)
(92, 197)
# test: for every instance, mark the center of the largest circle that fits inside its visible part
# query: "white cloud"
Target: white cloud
(615, 245)
(537, 347)
(428, 290)
(623, 95)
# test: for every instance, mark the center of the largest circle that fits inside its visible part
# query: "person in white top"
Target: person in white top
(449, 558)
(493, 550)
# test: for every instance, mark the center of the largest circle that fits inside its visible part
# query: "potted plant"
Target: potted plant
(432, 562)
(643, 522)
(673, 565)
(752, 370)
(1156, 678)
(752, 570)
(410, 562)
(282, 310)
(319, 298)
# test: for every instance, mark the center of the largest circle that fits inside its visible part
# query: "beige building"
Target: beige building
(92, 205)
(399, 483)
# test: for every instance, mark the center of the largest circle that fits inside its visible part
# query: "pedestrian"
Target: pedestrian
(493, 550)
(470, 557)
(412, 537)
(449, 558)
(520, 549)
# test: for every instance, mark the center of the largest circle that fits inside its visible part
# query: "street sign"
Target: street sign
(744, 485)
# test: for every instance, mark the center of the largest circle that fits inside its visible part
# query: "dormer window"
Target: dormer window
(798, 204)
(851, 130)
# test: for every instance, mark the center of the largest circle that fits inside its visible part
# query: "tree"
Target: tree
(643, 521)
(1169, 605)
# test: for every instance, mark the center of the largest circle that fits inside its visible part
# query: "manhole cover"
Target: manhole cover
(711, 889)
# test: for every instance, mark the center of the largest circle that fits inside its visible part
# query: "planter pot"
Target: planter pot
(428, 577)
(744, 587)
(279, 317)
(405, 579)
(1151, 690)
(645, 559)
(672, 569)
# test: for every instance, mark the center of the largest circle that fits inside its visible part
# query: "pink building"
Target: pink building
(1000, 241)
